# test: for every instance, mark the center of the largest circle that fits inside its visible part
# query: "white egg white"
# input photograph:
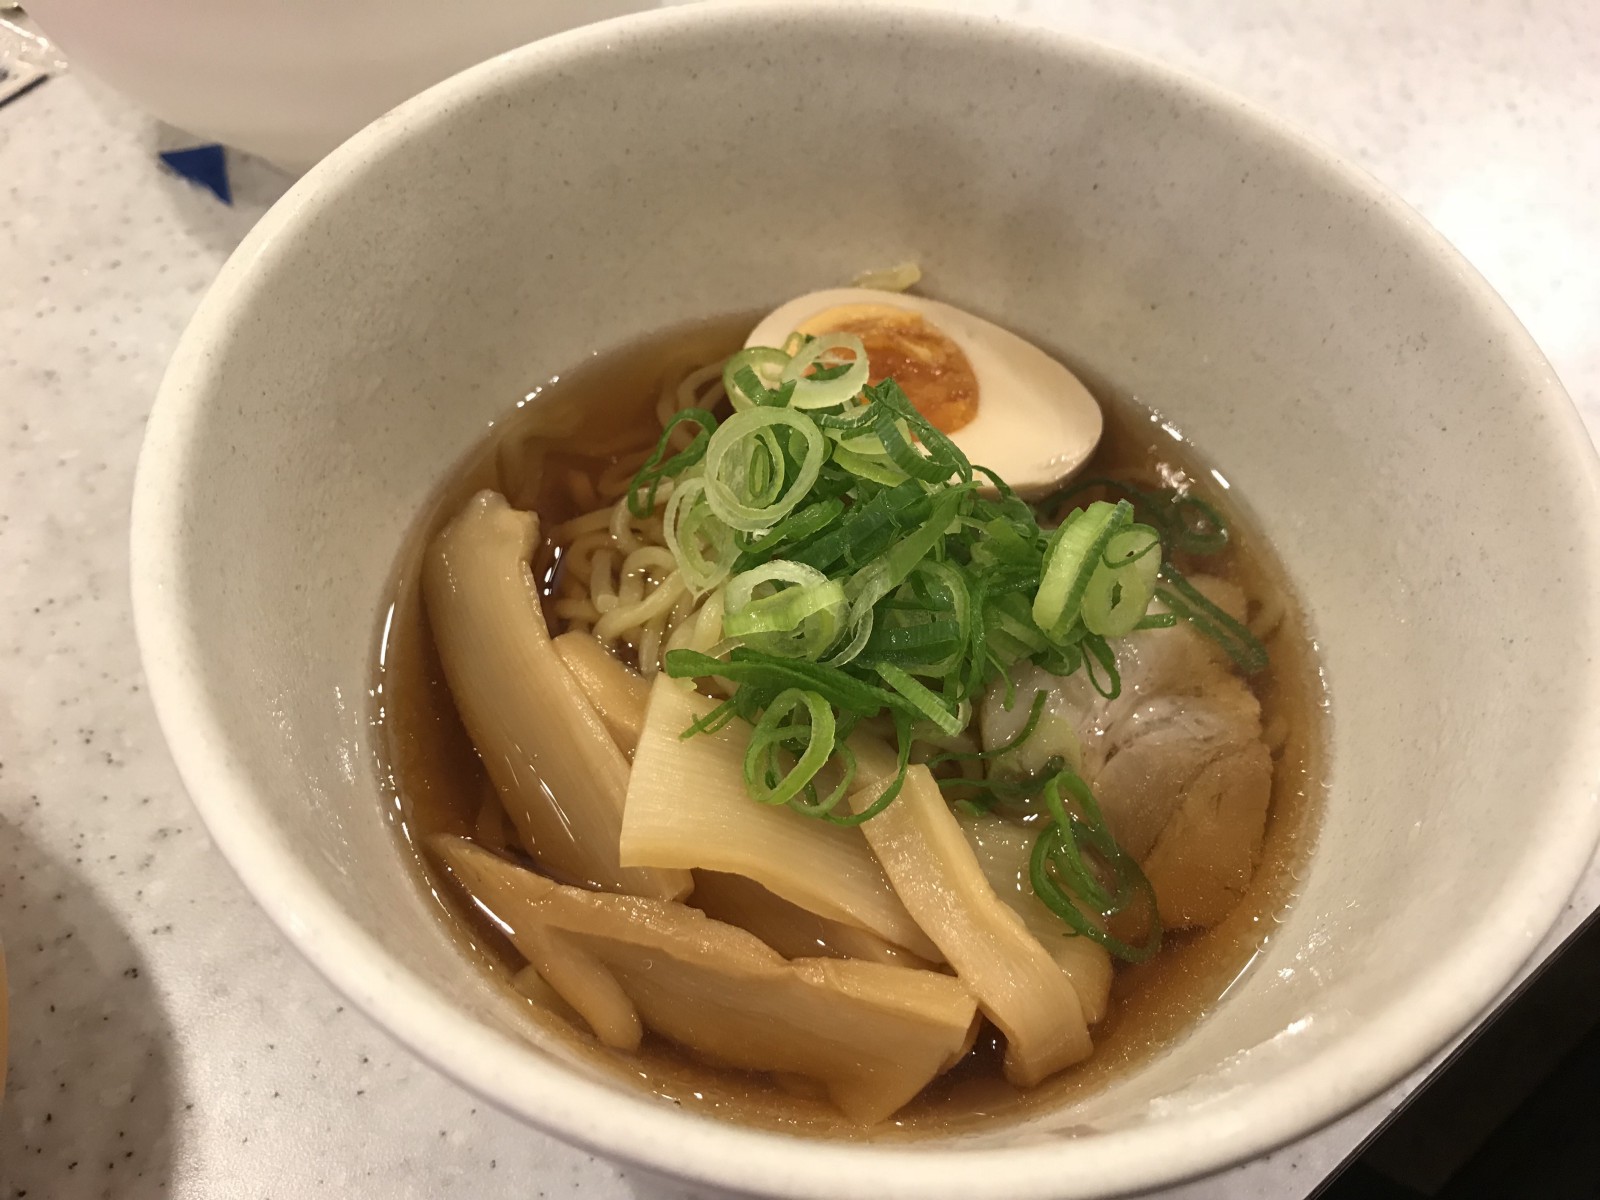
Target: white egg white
(1036, 422)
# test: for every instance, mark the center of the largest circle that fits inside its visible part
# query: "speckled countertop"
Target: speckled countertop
(165, 1040)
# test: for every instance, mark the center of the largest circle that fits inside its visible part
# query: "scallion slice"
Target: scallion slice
(799, 723)
(660, 466)
(747, 479)
(752, 375)
(1072, 556)
(830, 390)
(784, 608)
(702, 545)
(1122, 586)
(1059, 857)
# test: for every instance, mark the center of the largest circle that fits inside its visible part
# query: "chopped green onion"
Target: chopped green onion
(751, 375)
(747, 480)
(1029, 728)
(896, 412)
(1072, 556)
(701, 544)
(825, 806)
(793, 529)
(800, 620)
(822, 389)
(902, 729)
(1096, 651)
(924, 701)
(800, 722)
(1122, 586)
(747, 666)
(868, 467)
(714, 720)
(867, 530)
(654, 470)
(991, 791)
(1188, 602)
(1163, 620)
(1058, 857)
(1186, 522)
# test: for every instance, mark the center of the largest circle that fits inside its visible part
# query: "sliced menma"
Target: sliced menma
(619, 694)
(936, 874)
(688, 806)
(560, 775)
(873, 1035)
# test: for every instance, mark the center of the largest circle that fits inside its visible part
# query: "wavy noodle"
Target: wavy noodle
(649, 648)
(629, 615)
(581, 576)
(630, 591)
(589, 522)
(616, 578)
(655, 560)
(699, 628)
(602, 586)
(626, 528)
(682, 612)
(690, 392)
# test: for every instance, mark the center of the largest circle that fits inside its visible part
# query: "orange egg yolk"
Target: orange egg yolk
(927, 364)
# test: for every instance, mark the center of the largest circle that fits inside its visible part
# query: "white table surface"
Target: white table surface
(166, 1041)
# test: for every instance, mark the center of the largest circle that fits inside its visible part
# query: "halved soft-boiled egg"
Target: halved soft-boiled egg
(1006, 403)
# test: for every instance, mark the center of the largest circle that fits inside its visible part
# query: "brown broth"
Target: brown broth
(438, 785)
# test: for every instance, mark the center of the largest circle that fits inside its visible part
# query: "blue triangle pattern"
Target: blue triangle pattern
(205, 165)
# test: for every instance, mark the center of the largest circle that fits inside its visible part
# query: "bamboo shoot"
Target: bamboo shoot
(874, 1035)
(560, 776)
(1002, 849)
(936, 874)
(787, 928)
(688, 806)
(619, 695)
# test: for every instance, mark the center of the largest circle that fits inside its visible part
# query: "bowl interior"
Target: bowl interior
(1400, 440)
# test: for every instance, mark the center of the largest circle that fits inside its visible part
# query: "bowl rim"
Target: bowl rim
(659, 1137)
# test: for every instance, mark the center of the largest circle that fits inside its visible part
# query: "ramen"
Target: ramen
(786, 758)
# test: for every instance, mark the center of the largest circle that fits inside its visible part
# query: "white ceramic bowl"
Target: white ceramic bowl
(1403, 442)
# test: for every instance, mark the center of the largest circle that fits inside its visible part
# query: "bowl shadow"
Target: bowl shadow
(88, 1106)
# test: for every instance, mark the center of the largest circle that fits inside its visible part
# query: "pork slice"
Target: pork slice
(1176, 761)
